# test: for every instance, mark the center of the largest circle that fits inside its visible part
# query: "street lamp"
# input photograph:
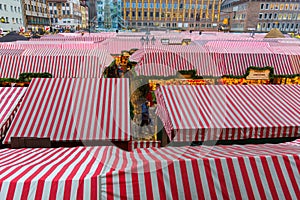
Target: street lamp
(153, 40)
(142, 40)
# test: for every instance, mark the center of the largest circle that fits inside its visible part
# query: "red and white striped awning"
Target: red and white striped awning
(207, 172)
(166, 61)
(74, 109)
(199, 113)
(216, 172)
(60, 66)
(57, 173)
(237, 63)
(10, 98)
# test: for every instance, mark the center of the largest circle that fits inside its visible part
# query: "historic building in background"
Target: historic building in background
(65, 14)
(241, 15)
(36, 14)
(84, 15)
(172, 14)
(109, 15)
(11, 17)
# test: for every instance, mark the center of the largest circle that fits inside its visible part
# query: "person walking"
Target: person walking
(145, 116)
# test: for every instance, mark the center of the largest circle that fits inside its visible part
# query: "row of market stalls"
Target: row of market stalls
(267, 171)
(69, 110)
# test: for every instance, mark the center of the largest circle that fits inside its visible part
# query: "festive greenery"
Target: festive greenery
(131, 111)
(28, 76)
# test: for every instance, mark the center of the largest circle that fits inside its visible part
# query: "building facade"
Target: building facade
(65, 14)
(84, 15)
(172, 14)
(11, 17)
(262, 15)
(109, 15)
(36, 14)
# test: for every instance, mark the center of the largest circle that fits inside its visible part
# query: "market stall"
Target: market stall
(219, 172)
(61, 63)
(10, 101)
(74, 110)
(214, 172)
(204, 113)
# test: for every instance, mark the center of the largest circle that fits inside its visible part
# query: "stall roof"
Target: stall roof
(198, 113)
(216, 172)
(10, 98)
(74, 109)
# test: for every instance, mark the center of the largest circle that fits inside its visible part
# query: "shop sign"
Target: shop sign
(258, 74)
(165, 41)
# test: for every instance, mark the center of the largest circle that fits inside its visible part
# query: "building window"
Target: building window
(151, 5)
(272, 6)
(6, 20)
(139, 14)
(296, 7)
(140, 5)
(279, 16)
(260, 16)
(5, 7)
(13, 20)
(127, 4)
(284, 16)
(294, 16)
(163, 6)
(181, 6)
(298, 17)
(169, 6)
(266, 16)
(12, 8)
(145, 14)
(0, 6)
(262, 6)
(269, 25)
(267, 6)
(175, 6)
(187, 6)
(275, 15)
(133, 5)
(291, 6)
(51, 12)
(270, 16)
(68, 12)
(64, 12)
(151, 14)
(19, 9)
(67, 4)
(286, 6)
(193, 6)
(145, 5)
(281, 6)
(133, 14)
(157, 14)
(50, 4)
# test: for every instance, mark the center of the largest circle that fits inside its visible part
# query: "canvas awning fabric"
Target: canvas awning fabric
(74, 109)
(267, 171)
(207, 172)
(200, 113)
(10, 98)
(61, 63)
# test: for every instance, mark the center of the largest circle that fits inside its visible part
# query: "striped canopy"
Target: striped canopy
(199, 113)
(218, 172)
(74, 109)
(10, 98)
(61, 63)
